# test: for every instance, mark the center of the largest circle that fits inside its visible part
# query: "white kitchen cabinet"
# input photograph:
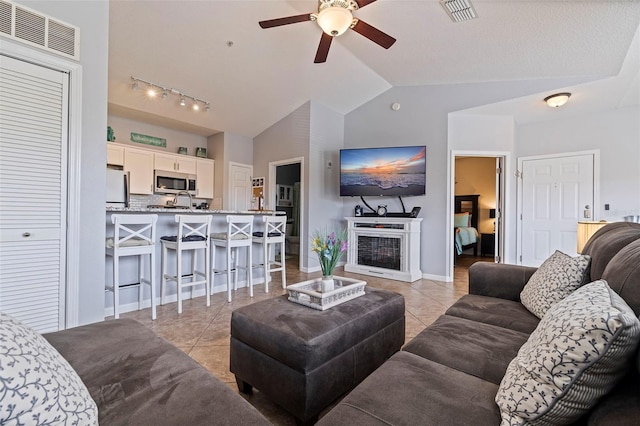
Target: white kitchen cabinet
(174, 163)
(139, 164)
(115, 154)
(204, 178)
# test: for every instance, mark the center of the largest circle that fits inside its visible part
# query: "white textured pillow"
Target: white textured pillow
(37, 385)
(559, 276)
(578, 352)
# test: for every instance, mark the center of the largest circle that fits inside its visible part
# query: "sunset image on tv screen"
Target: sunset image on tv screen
(383, 171)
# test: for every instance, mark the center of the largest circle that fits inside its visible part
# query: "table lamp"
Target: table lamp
(585, 230)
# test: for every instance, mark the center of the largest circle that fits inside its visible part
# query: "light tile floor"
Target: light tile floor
(203, 332)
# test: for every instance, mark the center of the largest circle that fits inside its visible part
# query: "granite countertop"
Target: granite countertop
(181, 210)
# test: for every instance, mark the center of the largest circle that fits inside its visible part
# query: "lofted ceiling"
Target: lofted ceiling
(253, 77)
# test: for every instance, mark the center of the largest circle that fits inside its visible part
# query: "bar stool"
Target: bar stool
(193, 235)
(239, 234)
(273, 233)
(134, 235)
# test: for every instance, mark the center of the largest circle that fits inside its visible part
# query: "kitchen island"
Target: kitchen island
(166, 225)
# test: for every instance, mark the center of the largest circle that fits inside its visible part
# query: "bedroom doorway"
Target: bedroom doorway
(477, 194)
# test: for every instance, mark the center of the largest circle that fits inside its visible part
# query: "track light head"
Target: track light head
(207, 108)
(183, 102)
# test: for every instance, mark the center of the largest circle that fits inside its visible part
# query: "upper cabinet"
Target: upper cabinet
(204, 178)
(174, 163)
(139, 164)
(115, 155)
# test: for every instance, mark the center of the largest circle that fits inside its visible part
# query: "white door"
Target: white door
(33, 205)
(240, 186)
(556, 193)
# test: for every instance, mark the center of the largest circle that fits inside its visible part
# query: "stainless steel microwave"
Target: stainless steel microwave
(172, 183)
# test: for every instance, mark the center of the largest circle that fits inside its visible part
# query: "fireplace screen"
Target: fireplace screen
(381, 252)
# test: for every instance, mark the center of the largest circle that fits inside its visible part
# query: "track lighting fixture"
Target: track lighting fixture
(152, 90)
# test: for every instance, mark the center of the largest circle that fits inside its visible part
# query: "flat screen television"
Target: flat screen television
(391, 171)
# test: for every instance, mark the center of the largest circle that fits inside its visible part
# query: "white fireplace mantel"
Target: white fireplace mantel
(384, 247)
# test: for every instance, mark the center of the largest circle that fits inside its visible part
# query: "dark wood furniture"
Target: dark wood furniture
(468, 204)
(487, 244)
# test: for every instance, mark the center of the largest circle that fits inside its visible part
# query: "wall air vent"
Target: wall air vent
(459, 10)
(26, 25)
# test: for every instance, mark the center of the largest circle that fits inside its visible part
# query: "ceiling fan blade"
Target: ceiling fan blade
(323, 48)
(363, 3)
(285, 21)
(374, 34)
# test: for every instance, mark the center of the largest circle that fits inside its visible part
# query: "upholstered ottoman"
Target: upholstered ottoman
(302, 358)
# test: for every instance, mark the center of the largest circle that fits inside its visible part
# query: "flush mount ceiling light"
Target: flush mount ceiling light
(152, 90)
(557, 100)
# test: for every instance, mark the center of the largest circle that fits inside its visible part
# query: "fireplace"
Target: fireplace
(381, 252)
(384, 247)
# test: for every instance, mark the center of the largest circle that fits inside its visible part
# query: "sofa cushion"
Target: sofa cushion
(38, 384)
(487, 349)
(623, 274)
(578, 352)
(492, 310)
(557, 277)
(138, 378)
(411, 390)
(606, 243)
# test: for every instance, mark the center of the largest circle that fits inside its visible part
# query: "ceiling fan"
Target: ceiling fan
(335, 17)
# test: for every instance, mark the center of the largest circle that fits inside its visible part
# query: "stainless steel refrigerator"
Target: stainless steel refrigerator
(117, 188)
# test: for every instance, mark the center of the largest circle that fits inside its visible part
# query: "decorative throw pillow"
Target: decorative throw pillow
(580, 349)
(461, 220)
(559, 276)
(37, 385)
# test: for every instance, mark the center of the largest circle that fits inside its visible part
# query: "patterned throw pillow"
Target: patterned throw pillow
(37, 385)
(559, 276)
(580, 349)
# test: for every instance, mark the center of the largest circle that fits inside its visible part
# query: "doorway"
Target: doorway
(240, 185)
(556, 191)
(286, 194)
(479, 176)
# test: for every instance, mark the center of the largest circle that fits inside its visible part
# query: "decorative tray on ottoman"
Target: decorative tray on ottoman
(309, 293)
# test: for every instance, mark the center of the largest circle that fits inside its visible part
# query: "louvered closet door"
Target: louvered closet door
(33, 135)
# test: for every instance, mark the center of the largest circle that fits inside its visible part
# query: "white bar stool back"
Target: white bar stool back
(193, 235)
(274, 233)
(133, 235)
(238, 235)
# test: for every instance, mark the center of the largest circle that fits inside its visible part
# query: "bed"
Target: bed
(466, 223)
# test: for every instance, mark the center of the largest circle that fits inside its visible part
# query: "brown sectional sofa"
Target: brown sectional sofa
(450, 373)
(137, 378)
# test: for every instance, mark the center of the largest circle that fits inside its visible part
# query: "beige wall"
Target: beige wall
(123, 127)
(477, 175)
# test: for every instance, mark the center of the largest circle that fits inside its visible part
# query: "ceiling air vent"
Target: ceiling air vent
(459, 10)
(27, 25)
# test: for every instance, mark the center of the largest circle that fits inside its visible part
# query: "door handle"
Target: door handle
(26, 234)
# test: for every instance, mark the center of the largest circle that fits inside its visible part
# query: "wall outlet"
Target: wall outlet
(606, 206)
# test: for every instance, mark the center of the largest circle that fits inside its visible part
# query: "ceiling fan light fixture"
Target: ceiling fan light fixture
(335, 20)
(557, 100)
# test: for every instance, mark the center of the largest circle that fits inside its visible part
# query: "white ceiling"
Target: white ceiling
(267, 74)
